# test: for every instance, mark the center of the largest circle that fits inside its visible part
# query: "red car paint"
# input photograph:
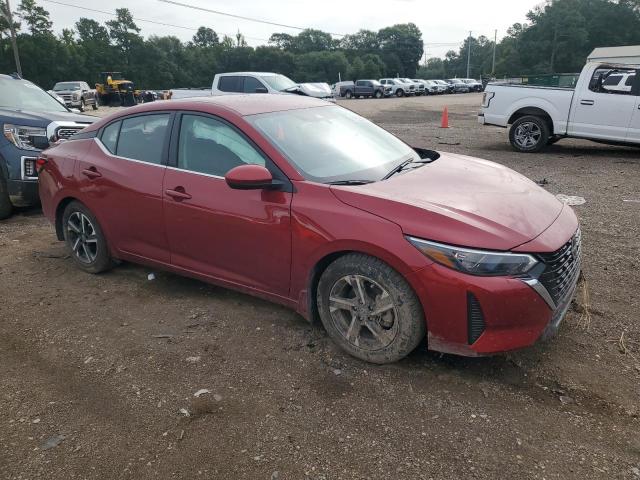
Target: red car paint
(273, 243)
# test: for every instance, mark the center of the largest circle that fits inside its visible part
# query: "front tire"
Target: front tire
(378, 94)
(5, 202)
(348, 95)
(400, 93)
(94, 105)
(529, 134)
(369, 309)
(83, 106)
(85, 239)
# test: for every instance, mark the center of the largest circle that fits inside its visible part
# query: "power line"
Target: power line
(155, 22)
(241, 17)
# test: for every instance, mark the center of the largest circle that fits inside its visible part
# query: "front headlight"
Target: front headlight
(76, 96)
(23, 136)
(475, 262)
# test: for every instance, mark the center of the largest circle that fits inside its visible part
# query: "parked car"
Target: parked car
(449, 87)
(474, 85)
(77, 95)
(430, 87)
(596, 109)
(398, 88)
(31, 120)
(418, 88)
(458, 85)
(365, 88)
(57, 97)
(265, 82)
(309, 205)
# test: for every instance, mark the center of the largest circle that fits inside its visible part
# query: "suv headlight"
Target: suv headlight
(475, 262)
(23, 136)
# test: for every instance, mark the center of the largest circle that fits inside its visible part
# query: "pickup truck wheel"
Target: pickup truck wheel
(5, 201)
(82, 106)
(400, 92)
(378, 94)
(348, 94)
(369, 309)
(94, 105)
(85, 239)
(529, 134)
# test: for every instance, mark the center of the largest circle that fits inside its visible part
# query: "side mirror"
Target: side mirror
(251, 177)
(262, 90)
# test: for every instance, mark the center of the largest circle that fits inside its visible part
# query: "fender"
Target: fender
(559, 121)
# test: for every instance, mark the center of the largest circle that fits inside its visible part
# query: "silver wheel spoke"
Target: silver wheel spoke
(338, 303)
(380, 333)
(354, 329)
(75, 245)
(383, 304)
(92, 239)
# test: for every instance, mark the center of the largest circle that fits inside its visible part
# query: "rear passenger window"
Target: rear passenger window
(110, 137)
(142, 138)
(251, 85)
(612, 81)
(630, 80)
(230, 84)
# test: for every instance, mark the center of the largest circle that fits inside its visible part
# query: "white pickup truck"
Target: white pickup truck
(604, 107)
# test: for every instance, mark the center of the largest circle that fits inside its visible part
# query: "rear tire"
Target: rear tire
(529, 134)
(400, 93)
(84, 238)
(348, 94)
(378, 94)
(94, 105)
(83, 106)
(5, 202)
(350, 292)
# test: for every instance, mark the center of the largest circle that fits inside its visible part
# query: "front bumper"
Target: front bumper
(513, 314)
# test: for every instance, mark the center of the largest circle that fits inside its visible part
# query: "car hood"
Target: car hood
(66, 92)
(461, 201)
(42, 119)
(317, 90)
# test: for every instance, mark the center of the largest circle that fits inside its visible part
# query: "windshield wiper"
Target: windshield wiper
(397, 169)
(351, 182)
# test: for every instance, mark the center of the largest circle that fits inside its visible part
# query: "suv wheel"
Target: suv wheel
(5, 201)
(84, 237)
(529, 134)
(369, 309)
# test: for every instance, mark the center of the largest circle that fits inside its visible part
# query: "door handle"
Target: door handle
(178, 194)
(91, 173)
(587, 102)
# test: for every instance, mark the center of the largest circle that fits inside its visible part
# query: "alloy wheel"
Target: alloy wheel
(82, 237)
(363, 312)
(527, 135)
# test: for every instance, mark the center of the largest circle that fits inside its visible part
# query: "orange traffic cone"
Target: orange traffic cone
(445, 118)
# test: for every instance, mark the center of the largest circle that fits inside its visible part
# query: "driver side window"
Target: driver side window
(209, 146)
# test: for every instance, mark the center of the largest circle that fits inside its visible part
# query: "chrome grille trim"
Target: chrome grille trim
(67, 132)
(562, 268)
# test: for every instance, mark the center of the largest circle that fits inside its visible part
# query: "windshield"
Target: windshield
(24, 95)
(279, 82)
(455, 80)
(375, 83)
(332, 144)
(66, 86)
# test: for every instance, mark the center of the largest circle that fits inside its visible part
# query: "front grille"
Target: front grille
(562, 268)
(67, 97)
(475, 319)
(67, 132)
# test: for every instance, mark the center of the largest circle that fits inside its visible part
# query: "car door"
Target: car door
(601, 111)
(239, 236)
(633, 135)
(121, 182)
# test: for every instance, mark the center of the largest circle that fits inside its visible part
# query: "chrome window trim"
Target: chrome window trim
(196, 173)
(107, 152)
(23, 176)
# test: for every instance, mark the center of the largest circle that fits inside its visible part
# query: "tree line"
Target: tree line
(557, 37)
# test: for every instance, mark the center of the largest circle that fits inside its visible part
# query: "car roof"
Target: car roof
(257, 74)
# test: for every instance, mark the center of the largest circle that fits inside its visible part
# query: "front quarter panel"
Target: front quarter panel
(323, 225)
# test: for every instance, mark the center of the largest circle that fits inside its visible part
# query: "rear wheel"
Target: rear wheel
(94, 105)
(5, 201)
(400, 92)
(529, 134)
(85, 239)
(348, 94)
(369, 309)
(83, 105)
(378, 94)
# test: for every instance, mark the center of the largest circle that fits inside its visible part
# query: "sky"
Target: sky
(444, 23)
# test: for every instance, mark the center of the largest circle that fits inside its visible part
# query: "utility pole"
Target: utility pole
(469, 57)
(495, 44)
(14, 44)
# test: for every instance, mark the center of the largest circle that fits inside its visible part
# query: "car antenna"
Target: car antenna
(16, 76)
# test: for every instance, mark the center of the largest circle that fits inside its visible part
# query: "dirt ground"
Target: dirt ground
(97, 372)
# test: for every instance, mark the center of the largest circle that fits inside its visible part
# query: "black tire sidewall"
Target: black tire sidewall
(544, 138)
(412, 326)
(103, 260)
(5, 202)
(400, 92)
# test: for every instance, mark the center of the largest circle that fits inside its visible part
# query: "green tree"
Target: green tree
(124, 33)
(404, 41)
(205, 37)
(36, 17)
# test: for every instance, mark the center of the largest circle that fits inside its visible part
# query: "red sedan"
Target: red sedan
(309, 205)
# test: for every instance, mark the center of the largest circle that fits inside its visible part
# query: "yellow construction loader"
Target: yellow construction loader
(115, 91)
